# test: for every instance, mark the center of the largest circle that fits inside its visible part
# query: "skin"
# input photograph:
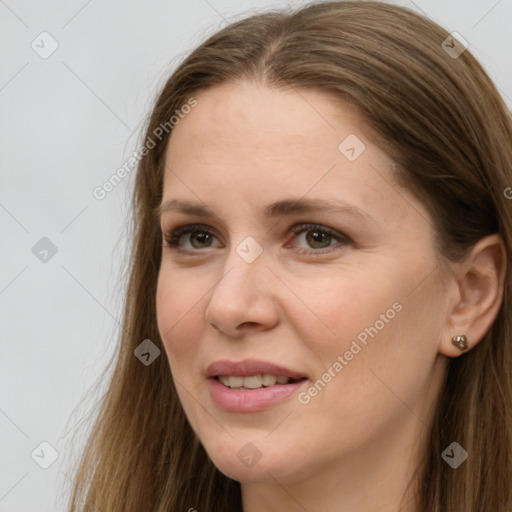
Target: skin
(355, 445)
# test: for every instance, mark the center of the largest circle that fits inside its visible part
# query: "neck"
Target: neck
(373, 478)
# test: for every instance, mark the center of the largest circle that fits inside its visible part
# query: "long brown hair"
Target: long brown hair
(443, 122)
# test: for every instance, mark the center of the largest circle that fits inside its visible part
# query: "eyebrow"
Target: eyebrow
(285, 207)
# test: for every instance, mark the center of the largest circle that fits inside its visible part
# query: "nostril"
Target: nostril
(248, 324)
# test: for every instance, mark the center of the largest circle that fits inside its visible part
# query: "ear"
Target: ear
(479, 281)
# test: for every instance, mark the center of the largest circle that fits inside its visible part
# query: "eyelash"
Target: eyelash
(172, 237)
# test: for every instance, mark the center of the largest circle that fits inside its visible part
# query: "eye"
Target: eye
(317, 237)
(200, 237)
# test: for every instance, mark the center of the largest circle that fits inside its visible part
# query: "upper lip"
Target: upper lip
(250, 367)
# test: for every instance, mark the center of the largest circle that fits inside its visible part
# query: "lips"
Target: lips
(250, 367)
(243, 400)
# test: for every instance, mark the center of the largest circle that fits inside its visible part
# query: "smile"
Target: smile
(254, 381)
(244, 399)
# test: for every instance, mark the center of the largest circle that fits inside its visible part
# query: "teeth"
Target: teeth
(269, 380)
(235, 382)
(224, 380)
(252, 381)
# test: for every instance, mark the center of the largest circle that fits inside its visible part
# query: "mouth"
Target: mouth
(257, 381)
(245, 388)
(251, 385)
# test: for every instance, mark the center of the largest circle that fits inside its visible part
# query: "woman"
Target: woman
(322, 234)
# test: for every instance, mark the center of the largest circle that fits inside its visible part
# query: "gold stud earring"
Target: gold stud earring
(461, 342)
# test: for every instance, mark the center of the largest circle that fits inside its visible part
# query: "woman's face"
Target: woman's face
(309, 257)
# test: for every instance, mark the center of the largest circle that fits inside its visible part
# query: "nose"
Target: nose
(243, 300)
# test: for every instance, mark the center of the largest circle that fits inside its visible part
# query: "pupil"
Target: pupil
(201, 238)
(317, 237)
(313, 237)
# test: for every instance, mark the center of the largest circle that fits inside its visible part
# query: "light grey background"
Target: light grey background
(67, 123)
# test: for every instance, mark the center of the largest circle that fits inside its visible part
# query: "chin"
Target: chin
(257, 462)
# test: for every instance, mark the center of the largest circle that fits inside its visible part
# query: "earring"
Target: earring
(461, 342)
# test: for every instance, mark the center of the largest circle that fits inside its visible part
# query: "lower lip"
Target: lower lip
(233, 400)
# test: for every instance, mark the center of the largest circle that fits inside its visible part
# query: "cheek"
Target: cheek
(334, 309)
(177, 307)
(375, 321)
(387, 339)
(178, 304)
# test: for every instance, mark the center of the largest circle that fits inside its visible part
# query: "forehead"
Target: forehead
(242, 115)
(245, 145)
(245, 132)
